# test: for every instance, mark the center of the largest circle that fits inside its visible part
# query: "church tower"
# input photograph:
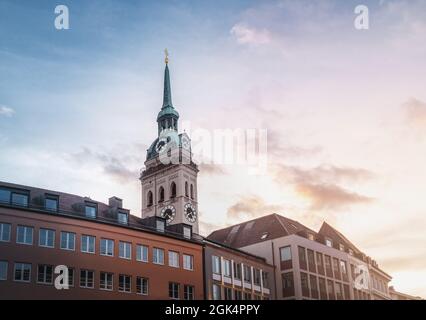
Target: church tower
(169, 181)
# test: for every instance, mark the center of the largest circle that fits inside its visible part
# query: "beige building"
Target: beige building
(308, 265)
(396, 295)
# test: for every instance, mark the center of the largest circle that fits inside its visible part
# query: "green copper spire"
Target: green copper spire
(167, 97)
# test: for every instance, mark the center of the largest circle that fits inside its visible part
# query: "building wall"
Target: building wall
(263, 291)
(159, 275)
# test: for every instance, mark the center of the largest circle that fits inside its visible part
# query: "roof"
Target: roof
(258, 230)
(328, 231)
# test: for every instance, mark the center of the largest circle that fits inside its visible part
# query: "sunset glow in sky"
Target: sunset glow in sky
(345, 109)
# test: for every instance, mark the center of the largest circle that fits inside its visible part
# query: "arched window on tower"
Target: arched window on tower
(161, 194)
(173, 190)
(149, 199)
(192, 191)
(186, 189)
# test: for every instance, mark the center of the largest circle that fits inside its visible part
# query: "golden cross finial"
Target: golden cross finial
(166, 52)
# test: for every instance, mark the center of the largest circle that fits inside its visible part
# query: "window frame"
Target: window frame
(154, 256)
(140, 248)
(4, 263)
(25, 235)
(23, 264)
(174, 287)
(45, 274)
(88, 244)
(108, 285)
(125, 247)
(141, 286)
(191, 262)
(86, 272)
(68, 233)
(47, 238)
(107, 247)
(123, 289)
(174, 257)
(49, 197)
(2, 227)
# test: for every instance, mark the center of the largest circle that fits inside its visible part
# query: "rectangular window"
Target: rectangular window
(247, 296)
(142, 286)
(88, 244)
(322, 289)
(227, 268)
(71, 277)
(5, 232)
(87, 279)
(51, 203)
(328, 269)
(343, 267)
(19, 199)
(3, 270)
(285, 253)
(67, 240)
(188, 292)
(238, 295)
(22, 272)
(160, 225)
(125, 250)
(173, 259)
(24, 235)
(227, 293)
(187, 232)
(237, 271)
(247, 274)
(305, 284)
(329, 243)
(216, 292)
(216, 264)
(302, 258)
(256, 275)
(158, 256)
(336, 268)
(4, 196)
(314, 286)
(45, 274)
(46, 238)
(311, 261)
(122, 218)
(188, 262)
(141, 253)
(330, 289)
(91, 210)
(125, 283)
(107, 247)
(174, 290)
(106, 281)
(288, 284)
(265, 279)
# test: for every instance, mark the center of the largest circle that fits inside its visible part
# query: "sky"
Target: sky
(344, 109)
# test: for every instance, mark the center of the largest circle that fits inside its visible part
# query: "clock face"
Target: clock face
(190, 213)
(160, 144)
(168, 213)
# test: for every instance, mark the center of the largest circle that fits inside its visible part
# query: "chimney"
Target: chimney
(115, 203)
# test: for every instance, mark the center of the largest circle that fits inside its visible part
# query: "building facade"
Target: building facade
(232, 274)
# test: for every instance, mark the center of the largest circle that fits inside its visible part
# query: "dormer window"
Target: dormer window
(329, 243)
(311, 236)
(187, 232)
(123, 217)
(341, 247)
(51, 203)
(160, 225)
(4, 196)
(91, 210)
(20, 199)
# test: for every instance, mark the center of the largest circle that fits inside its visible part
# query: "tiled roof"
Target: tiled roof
(258, 230)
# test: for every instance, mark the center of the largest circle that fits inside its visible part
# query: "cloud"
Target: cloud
(415, 112)
(320, 185)
(116, 168)
(6, 111)
(249, 35)
(250, 207)
(211, 169)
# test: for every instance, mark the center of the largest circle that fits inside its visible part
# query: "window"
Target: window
(173, 259)
(237, 271)
(329, 243)
(107, 247)
(265, 279)
(311, 237)
(160, 225)
(187, 232)
(4, 196)
(188, 262)
(247, 296)
(216, 264)
(67, 240)
(173, 190)
(238, 295)
(256, 276)
(45, 274)
(124, 283)
(335, 266)
(141, 253)
(87, 278)
(106, 281)
(173, 290)
(186, 189)
(285, 253)
(161, 194)
(216, 292)
(150, 200)
(88, 244)
(19, 199)
(188, 292)
(22, 272)
(288, 284)
(341, 247)
(343, 267)
(319, 259)
(4, 232)
(302, 257)
(142, 286)
(311, 260)
(227, 293)
(247, 273)
(24, 235)
(71, 277)
(226, 268)
(46, 238)
(192, 191)
(305, 284)
(3, 270)
(125, 250)
(314, 286)
(122, 217)
(158, 256)
(51, 203)
(91, 210)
